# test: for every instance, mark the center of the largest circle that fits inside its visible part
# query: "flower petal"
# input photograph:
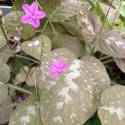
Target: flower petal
(35, 23)
(26, 19)
(26, 8)
(34, 7)
(40, 14)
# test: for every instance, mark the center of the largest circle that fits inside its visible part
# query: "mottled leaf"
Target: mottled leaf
(70, 42)
(70, 98)
(111, 43)
(36, 51)
(26, 113)
(120, 63)
(112, 106)
(61, 10)
(89, 24)
(98, 72)
(113, 14)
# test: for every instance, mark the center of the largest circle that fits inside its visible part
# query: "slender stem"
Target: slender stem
(105, 57)
(116, 13)
(45, 25)
(27, 58)
(19, 88)
(108, 61)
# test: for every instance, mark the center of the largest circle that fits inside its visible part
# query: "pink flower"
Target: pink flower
(57, 67)
(32, 14)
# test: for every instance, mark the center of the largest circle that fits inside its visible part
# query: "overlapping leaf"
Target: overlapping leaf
(12, 21)
(37, 51)
(27, 113)
(70, 42)
(61, 10)
(112, 106)
(4, 72)
(110, 42)
(98, 71)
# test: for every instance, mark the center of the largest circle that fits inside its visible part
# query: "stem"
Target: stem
(105, 57)
(19, 88)
(27, 58)
(45, 25)
(108, 61)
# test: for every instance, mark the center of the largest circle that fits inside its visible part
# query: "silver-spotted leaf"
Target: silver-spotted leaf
(26, 113)
(111, 43)
(98, 72)
(61, 10)
(89, 24)
(112, 106)
(70, 42)
(113, 14)
(69, 98)
(43, 47)
(4, 72)
(120, 63)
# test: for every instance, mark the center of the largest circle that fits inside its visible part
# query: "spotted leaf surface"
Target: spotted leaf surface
(26, 113)
(70, 98)
(100, 77)
(120, 63)
(38, 47)
(61, 10)
(112, 106)
(111, 43)
(70, 42)
(89, 24)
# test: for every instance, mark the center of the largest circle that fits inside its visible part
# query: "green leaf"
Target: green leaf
(4, 72)
(11, 22)
(44, 47)
(26, 113)
(61, 10)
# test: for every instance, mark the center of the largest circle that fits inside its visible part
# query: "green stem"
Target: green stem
(105, 57)
(108, 61)
(19, 88)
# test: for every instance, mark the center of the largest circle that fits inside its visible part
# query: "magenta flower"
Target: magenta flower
(32, 14)
(57, 67)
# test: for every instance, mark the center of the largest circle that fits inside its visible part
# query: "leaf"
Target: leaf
(112, 107)
(98, 72)
(112, 44)
(112, 14)
(72, 28)
(3, 41)
(4, 72)
(11, 22)
(62, 97)
(37, 51)
(5, 53)
(70, 42)
(90, 25)
(26, 113)
(120, 63)
(61, 10)
(6, 108)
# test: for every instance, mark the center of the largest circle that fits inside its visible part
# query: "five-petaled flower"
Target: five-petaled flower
(32, 14)
(57, 67)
